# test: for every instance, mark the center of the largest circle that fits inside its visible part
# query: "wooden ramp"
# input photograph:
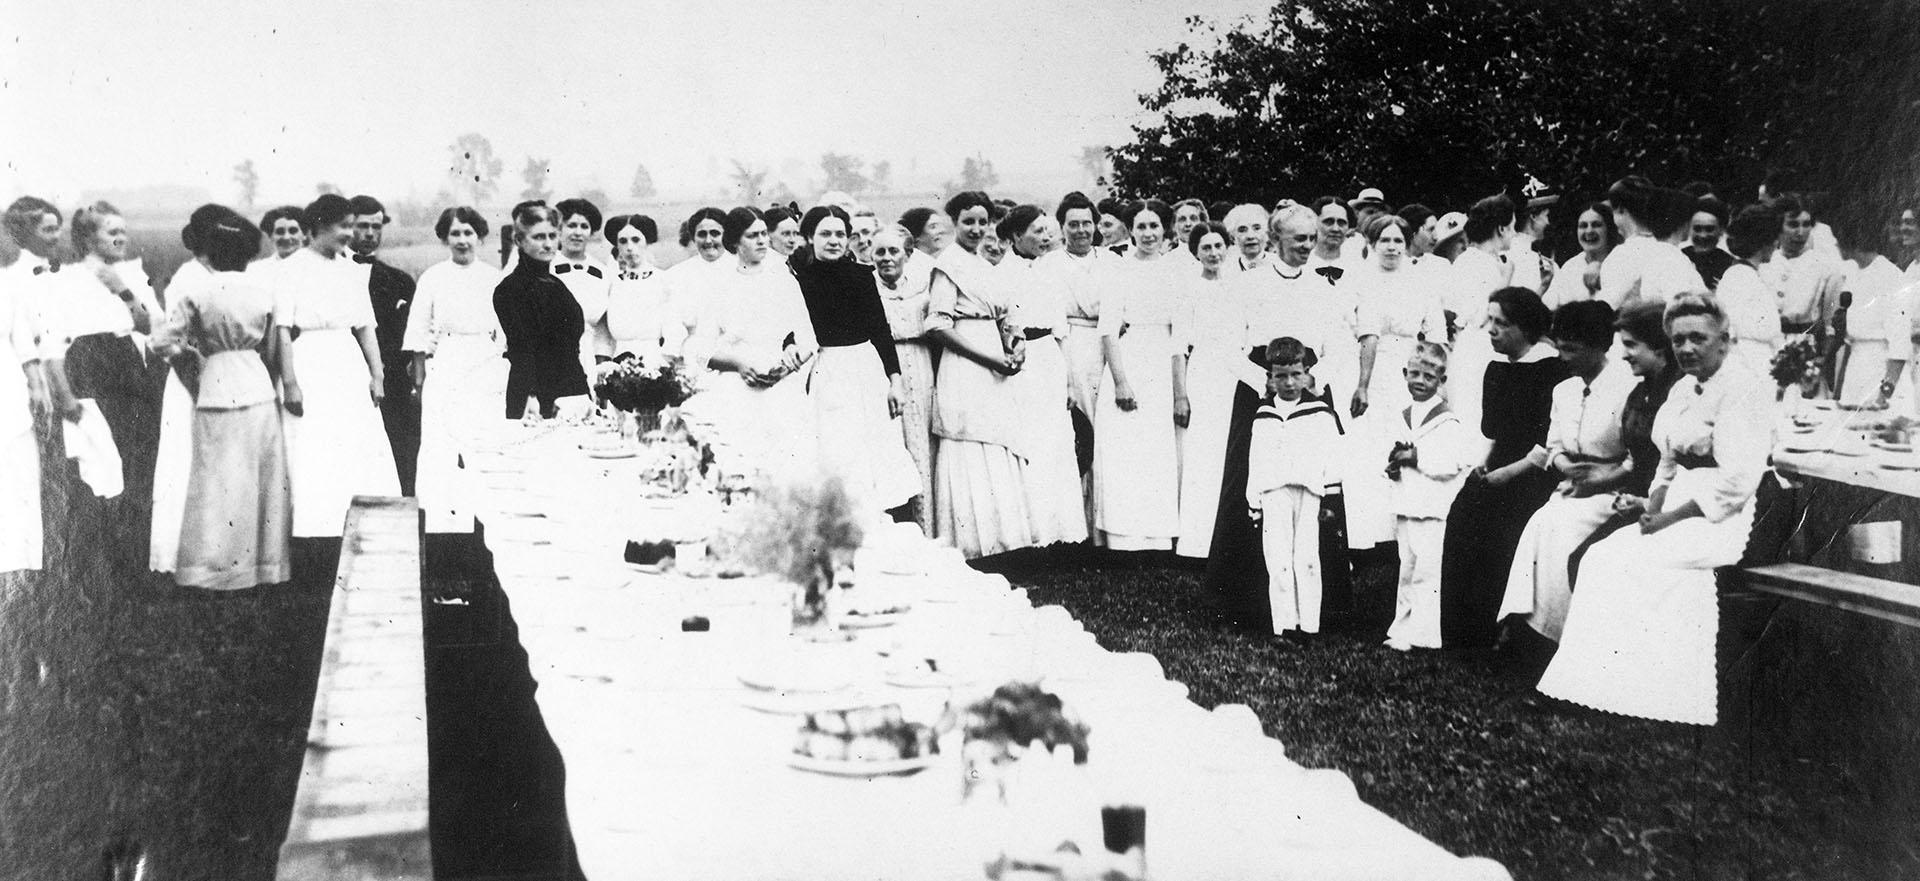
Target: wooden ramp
(361, 809)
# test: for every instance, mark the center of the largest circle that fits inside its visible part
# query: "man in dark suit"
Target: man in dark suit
(391, 291)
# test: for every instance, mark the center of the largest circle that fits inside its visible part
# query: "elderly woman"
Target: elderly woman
(336, 444)
(239, 504)
(1579, 277)
(904, 295)
(1487, 517)
(979, 486)
(1042, 388)
(1640, 633)
(856, 382)
(1212, 335)
(1136, 454)
(1645, 266)
(458, 373)
(540, 320)
(1247, 232)
(1583, 437)
(637, 314)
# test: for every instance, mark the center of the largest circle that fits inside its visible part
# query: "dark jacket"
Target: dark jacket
(543, 325)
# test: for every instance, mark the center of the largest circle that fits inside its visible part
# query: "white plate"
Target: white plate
(1797, 447)
(783, 703)
(794, 678)
(1908, 465)
(862, 622)
(843, 768)
(612, 454)
(1894, 447)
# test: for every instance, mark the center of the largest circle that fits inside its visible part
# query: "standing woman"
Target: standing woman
(757, 330)
(1115, 236)
(283, 229)
(22, 533)
(979, 466)
(1641, 631)
(584, 277)
(1645, 266)
(332, 379)
(903, 293)
(1073, 270)
(855, 384)
(783, 228)
(1136, 451)
(457, 369)
(1398, 308)
(1247, 232)
(239, 499)
(1579, 277)
(1487, 517)
(101, 336)
(691, 282)
(540, 320)
(1042, 389)
(1212, 335)
(637, 315)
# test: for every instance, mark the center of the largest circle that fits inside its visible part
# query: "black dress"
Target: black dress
(1485, 522)
(1636, 431)
(543, 326)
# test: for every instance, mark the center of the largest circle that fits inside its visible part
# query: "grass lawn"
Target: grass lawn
(1460, 748)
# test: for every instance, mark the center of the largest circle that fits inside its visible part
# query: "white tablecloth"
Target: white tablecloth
(672, 774)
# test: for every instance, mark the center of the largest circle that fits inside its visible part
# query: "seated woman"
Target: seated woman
(1640, 633)
(1583, 437)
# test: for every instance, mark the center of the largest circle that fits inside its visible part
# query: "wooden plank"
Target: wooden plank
(361, 808)
(1878, 597)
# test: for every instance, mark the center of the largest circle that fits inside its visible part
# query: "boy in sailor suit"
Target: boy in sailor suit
(1294, 439)
(1428, 464)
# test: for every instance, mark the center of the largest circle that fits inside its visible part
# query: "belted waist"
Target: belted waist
(1036, 333)
(1589, 458)
(1079, 321)
(1693, 461)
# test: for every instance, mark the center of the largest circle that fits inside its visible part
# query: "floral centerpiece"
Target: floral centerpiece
(1798, 363)
(642, 386)
(805, 532)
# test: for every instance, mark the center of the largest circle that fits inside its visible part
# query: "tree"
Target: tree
(976, 173)
(248, 179)
(1449, 100)
(327, 187)
(642, 187)
(882, 177)
(535, 175)
(473, 171)
(844, 173)
(747, 183)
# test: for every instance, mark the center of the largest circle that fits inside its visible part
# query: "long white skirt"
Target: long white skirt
(859, 440)
(1537, 583)
(1050, 474)
(916, 418)
(1135, 452)
(171, 467)
(338, 449)
(1639, 637)
(1368, 494)
(462, 396)
(20, 525)
(1210, 388)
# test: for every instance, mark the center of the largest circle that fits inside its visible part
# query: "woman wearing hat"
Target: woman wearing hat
(458, 373)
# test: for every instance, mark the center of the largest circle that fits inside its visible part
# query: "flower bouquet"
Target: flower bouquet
(804, 532)
(642, 386)
(1798, 364)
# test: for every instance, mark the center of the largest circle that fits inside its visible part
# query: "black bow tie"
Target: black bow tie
(362, 258)
(1331, 273)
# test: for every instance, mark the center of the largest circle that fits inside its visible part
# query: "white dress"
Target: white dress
(1476, 275)
(1043, 392)
(752, 314)
(1584, 427)
(1753, 317)
(1398, 309)
(638, 318)
(1876, 322)
(979, 468)
(589, 282)
(1645, 269)
(1569, 284)
(1640, 633)
(453, 323)
(1212, 329)
(338, 449)
(21, 531)
(1136, 453)
(173, 464)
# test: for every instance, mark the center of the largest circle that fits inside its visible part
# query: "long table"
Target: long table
(676, 768)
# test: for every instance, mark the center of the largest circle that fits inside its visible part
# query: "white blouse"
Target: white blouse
(1585, 420)
(1729, 418)
(1402, 303)
(452, 300)
(639, 317)
(1752, 316)
(1653, 270)
(1880, 307)
(1569, 284)
(312, 292)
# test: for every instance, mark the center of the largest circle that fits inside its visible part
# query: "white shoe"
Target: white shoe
(1398, 645)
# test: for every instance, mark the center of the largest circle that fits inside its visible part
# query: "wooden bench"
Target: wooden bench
(1878, 597)
(361, 807)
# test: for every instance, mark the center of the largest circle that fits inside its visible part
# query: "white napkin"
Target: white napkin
(90, 443)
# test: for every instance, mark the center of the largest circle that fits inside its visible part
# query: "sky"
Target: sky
(370, 95)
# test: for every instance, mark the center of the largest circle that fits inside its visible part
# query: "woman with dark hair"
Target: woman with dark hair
(1210, 339)
(458, 373)
(1398, 306)
(637, 316)
(282, 227)
(1579, 277)
(1137, 453)
(1042, 389)
(1645, 266)
(22, 395)
(932, 232)
(1641, 632)
(1487, 517)
(1075, 270)
(336, 443)
(1751, 307)
(691, 282)
(783, 228)
(855, 382)
(1583, 438)
(1705, 228)
(173, 463)
(540, 320)
(980, 456)
(1906, 240)
(1114, 217)
(1477, 272)
(585, 277)
(238, 512)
